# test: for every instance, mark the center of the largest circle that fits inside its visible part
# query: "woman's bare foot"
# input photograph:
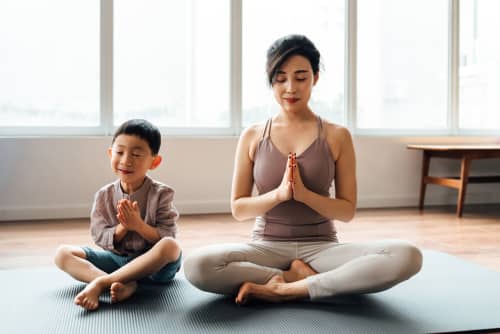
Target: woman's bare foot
(271, 291)
(88, 298)
(120, 292)
(298, 271)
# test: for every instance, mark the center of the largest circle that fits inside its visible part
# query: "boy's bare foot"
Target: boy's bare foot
(298, 271)
(271, 291)
(120, 292)
(88, 298)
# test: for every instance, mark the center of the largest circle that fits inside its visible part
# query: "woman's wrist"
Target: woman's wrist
(305, 197)
(276, 197)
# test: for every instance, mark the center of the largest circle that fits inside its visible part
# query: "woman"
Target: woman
(293, 159)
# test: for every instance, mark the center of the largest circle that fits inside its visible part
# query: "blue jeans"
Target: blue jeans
(108, 262)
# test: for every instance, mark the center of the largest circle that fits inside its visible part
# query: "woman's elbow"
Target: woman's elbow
(348, 214)
(349, 217)
(236, 211)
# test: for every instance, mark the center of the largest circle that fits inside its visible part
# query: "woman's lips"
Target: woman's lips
(291, 99)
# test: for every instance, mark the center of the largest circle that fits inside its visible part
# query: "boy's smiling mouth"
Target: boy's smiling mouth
(124, 171)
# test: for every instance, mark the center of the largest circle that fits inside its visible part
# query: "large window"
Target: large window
(171, 62)
(198, 66)
(265, 21)
(402, 64)
(479, 65)
(49, 63)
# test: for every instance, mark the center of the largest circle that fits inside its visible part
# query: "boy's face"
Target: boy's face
(131, 158)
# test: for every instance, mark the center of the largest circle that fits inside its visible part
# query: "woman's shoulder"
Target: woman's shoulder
(253, 132)
(336, 131)
(250, 138)
(337, 136)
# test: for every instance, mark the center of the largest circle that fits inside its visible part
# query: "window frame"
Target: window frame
(235, 81)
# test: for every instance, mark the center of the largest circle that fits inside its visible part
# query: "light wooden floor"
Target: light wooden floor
(474, 237)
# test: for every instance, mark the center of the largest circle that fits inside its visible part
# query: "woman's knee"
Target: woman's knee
(196, 268)
(200, 269)
(410, 260)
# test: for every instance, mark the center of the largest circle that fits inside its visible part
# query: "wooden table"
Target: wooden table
(466, 153)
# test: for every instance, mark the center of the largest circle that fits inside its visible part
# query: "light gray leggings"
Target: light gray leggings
(350, 268)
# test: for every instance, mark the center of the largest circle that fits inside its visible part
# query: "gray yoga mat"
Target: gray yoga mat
(448, 295)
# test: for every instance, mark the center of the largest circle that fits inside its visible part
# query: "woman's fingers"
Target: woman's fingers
(291, 166)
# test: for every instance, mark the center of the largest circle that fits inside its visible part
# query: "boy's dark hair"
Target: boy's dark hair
(142, 129)
(288, 46)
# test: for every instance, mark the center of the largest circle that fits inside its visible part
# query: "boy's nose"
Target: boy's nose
(126, 159)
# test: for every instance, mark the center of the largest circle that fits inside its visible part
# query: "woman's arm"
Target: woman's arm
(343, 206)
(243, 204)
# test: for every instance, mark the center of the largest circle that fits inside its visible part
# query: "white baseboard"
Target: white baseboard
(201, 206)
(223, 206)
(45, 213)
(437, 199)
(83, 210)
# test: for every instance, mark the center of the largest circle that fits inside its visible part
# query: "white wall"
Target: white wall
(45, 178)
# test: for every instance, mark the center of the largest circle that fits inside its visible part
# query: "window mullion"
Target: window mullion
(106, 66)
(350, 80)
(236, 68)
(453, 75)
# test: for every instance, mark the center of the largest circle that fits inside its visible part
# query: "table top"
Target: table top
(455, 147)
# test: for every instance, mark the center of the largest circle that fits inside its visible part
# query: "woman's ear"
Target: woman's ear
(110, 152)
(316, 77)
(156, 162)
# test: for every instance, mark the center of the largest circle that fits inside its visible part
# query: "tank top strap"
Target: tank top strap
(320, 127)
(267, 129)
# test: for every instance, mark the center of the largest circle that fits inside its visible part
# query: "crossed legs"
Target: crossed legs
(122, 282)
(315, 270)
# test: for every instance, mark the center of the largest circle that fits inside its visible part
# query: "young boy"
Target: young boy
(133, 219)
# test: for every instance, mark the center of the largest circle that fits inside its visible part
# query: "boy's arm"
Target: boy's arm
(166, 214)
(102, 223)
(120, 233)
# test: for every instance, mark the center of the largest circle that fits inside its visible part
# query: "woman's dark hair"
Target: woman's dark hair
(288, 46)
(142, 129)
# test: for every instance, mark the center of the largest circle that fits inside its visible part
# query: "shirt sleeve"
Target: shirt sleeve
(102, 223)
(167, 214)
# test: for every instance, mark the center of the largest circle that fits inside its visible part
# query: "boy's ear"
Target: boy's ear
(110, 152)
(156, 162)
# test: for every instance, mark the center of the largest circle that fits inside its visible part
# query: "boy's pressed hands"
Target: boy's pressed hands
(129, 215)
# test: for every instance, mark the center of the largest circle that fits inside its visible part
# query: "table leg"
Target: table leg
(425, 172)
(464, 178)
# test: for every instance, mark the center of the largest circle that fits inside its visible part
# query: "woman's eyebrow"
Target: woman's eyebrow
(298, 71)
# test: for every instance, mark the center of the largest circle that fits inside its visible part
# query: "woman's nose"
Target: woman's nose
(290, 87)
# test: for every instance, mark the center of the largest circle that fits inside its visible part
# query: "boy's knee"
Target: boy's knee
(63, 252)
(169, 248)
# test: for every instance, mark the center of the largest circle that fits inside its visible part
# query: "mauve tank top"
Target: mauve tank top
(292, 220)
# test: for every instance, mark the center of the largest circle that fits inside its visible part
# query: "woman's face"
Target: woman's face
(293, 84)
